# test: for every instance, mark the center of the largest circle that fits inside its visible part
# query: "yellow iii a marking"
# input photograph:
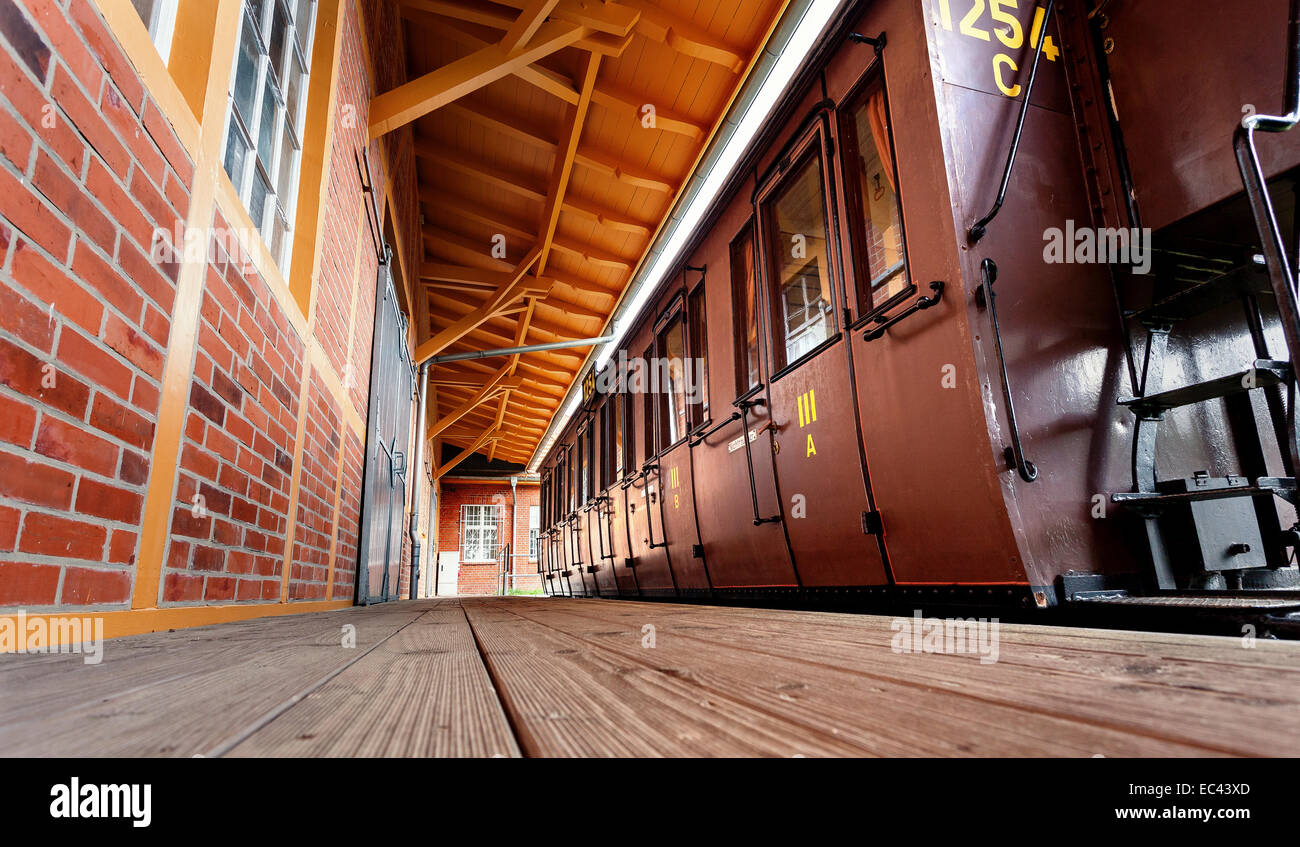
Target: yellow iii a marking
(807, 408)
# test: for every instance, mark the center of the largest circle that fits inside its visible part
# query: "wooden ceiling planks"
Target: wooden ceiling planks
(556, 133)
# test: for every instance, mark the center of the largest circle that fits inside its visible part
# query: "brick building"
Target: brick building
(188, 299)
(478, 515)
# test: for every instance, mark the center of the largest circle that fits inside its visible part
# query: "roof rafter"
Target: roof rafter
(424, 94)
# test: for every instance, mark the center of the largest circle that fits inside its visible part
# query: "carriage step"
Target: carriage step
(1282, 486)
(1245, 603)
(1221, 285)
(1262, 374)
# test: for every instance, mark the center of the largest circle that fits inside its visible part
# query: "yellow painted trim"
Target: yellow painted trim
(139, 621)
(174, 400)
(191, 51)
(125, 24)
(317, 156)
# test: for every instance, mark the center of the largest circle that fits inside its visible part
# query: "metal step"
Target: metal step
(1199, 295)
(1282, 486)
(1244, 603)
(1263, 373)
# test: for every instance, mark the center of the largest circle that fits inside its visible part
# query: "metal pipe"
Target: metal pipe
(416, 472)
(528, 348)
(514, 531)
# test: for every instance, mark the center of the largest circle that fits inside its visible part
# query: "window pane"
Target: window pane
(743, 309)
(617, 403)
(293, 97)
(303, 20)
(246, 74)
(278, 40)
(699, 402)
(672, 351)
(236, 154)
(266, 127)
(797, 251)
(257, 201)
(279, 233)
(257, 8)
(648, 408)
(880, 225)
(288, 167)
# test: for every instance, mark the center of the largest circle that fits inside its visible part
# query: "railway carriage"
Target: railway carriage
(998, 308)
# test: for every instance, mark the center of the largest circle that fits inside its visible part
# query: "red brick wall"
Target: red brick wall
(483, 578)
(88, 169)
(230, 518)
(90, 174)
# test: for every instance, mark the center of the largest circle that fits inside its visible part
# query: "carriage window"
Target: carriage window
(802, 307)
(584, 465)
(699, 369)
(743, 310)
(589, 464)
(571, 481)
(671, 346)
(606, 454)
(880, 263)
(648, 411)
(629, 433)
(616, 434)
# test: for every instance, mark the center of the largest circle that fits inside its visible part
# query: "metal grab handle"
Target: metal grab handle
(649, 519)
(1281, 273)
(984, 296)
(744, 406)
(602, 530)
(922, 303)
(980, 227)
(699, 438)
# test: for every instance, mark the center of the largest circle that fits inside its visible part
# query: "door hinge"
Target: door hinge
(871, 523)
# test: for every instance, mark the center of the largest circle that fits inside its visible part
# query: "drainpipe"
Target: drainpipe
(417, 471)
(514, 533)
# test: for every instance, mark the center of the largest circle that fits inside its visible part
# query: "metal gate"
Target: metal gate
(388, 437)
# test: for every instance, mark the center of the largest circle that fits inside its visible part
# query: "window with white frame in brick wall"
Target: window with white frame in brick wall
(480, 532)
(534, 526)
(267, 107)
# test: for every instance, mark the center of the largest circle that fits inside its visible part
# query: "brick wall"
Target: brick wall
(91, 177)
(483, 578)
(88, 170)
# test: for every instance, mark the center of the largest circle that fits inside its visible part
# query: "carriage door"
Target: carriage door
(388, 435)
(818, 463)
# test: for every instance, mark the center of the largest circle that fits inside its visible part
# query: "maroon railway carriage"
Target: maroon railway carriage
(907, 396)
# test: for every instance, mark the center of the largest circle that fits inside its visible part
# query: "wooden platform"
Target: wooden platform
(556, 677)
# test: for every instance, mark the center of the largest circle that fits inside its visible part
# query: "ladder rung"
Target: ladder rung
(1265, 372)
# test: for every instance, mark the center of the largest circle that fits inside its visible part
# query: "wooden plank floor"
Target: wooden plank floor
(553, 677)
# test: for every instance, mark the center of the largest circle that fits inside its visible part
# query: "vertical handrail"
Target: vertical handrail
(1281, 275)
(744, 406)
(989, 274)
(978, 228)
(645, 495)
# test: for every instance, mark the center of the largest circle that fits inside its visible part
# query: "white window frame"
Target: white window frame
(534, 529)
(485, 517)
(273, 204)
(161, 26)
